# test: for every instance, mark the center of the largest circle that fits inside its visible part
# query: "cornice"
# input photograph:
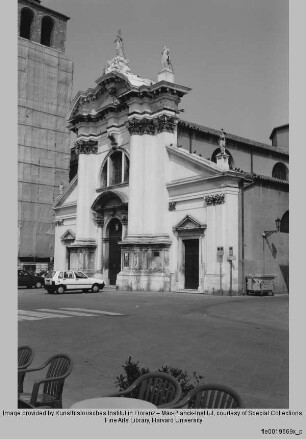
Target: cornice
(108, 83)
(198, 179)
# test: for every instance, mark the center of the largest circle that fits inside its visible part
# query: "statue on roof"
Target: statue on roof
(222, 141)
(119, 45)
(165, 60)
(119, 62)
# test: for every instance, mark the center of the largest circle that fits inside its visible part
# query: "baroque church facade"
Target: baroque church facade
(161, 204)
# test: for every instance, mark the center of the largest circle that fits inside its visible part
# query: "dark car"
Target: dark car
(29, 280)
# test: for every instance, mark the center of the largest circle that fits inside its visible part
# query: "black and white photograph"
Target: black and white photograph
(152, 220)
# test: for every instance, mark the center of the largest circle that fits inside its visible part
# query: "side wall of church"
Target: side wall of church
(263, 204)
(245, 157)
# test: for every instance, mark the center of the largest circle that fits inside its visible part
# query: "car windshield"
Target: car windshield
(51, 273)
(79, 274)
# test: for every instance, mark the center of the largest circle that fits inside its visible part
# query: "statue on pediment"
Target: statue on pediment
(119, 45)
(165, 60)
(222, 141)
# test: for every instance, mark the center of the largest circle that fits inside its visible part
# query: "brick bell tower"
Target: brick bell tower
(152, 124)
(45, 76)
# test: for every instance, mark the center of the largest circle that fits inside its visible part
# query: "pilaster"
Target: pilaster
(86, 149)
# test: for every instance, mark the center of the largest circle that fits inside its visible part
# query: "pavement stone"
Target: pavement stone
(238, 341)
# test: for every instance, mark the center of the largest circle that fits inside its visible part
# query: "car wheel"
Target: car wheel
(95, 288)
(60, 289)
(38, 284)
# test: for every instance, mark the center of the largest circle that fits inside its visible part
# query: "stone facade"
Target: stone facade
(156, 201)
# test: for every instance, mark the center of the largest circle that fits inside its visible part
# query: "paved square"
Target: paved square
(242, 342)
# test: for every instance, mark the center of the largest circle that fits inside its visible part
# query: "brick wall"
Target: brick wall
(60, 24)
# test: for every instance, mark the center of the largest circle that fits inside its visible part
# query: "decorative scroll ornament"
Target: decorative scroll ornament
(172, 205)
(86, 146)
(125, 220)
(58, 221)
(99, 220)
(165, 123)
(214, 199)
(151, 126)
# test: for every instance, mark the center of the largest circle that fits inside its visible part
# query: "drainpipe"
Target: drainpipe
(241, 184)
(190, 141)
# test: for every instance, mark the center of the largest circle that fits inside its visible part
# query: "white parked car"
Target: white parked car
(61, 281)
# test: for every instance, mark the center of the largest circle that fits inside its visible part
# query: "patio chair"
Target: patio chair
(59, 368)
(159, 388)
(24, 405)
(211, 396)
(25, 358)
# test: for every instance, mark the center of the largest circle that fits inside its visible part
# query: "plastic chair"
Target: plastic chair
(59, 368)
(159, 388)
(211, 396)
(25, 358)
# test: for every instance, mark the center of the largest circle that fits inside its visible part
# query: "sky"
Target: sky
(232, 53)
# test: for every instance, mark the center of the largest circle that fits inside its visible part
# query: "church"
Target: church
(162, 204)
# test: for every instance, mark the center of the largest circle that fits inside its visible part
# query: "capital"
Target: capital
(151, 126)
(86, 146)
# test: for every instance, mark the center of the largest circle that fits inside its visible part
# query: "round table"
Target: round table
(113, 403)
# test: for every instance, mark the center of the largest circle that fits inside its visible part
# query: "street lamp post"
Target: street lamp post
(267, 233)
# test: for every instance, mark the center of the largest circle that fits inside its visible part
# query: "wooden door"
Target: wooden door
(191, 263)
(115, 233)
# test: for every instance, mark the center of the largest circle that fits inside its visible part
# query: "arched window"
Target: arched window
(284, 225)
(47, 27)
(115, 169)
(230, 159)
(26, 20)
(280, 171)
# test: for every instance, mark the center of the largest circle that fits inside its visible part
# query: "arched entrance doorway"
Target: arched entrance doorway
(115, 235)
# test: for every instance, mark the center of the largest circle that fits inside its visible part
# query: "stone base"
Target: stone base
(166, 75)
(143, 281)
(212, 286)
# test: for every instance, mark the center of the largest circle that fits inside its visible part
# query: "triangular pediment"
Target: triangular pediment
(69, 196)
(184, 165)
(69, 235)
(187, 223)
